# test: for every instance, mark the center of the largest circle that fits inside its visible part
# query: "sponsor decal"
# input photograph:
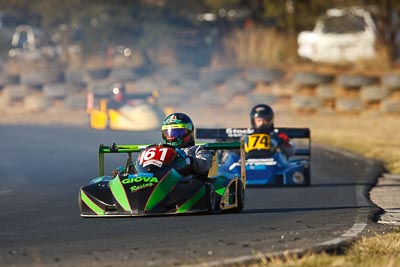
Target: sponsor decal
(138, 187)
(265, 162)
(238, 132)
(140, 182)
(140, 179)
(153, 162)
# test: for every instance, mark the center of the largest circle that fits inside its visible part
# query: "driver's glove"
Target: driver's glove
(115, 172)
(283, 139)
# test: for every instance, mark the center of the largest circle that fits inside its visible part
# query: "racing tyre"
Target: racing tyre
(390, 106)
(355, 81)
(326, 91)
(265, 75)
(55, 90)
(348, 104)
(74, 77)
(238, 85)
(40, 77)
(36, 102)
(371, 93)
(9, 80)
(391, 81)
(16, 91)
(210, 194)
(307, 176)
(312, 78)
(98, 74)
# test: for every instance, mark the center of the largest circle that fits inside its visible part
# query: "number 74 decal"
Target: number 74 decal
(257, 141)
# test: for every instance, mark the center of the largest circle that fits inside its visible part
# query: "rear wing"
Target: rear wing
(230, 134)
(129, 149)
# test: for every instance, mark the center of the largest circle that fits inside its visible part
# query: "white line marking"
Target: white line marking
(352, 232)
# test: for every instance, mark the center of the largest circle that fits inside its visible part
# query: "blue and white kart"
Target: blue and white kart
(265, 164)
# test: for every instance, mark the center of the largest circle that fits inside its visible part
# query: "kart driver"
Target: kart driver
(262, 121)
(178, 130)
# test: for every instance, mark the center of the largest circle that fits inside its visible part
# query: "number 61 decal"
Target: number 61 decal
(161, 154)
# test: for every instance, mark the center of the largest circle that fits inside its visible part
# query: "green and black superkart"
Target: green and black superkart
(155, 184)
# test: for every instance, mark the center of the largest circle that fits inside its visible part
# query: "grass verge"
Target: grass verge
(379, 250)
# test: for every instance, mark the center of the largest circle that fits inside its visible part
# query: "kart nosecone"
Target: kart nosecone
(155, 185)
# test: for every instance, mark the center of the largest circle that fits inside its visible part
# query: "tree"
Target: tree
(388, 27)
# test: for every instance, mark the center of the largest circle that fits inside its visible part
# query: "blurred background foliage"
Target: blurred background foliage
(153, 27)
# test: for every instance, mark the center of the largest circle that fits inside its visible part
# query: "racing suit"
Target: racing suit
(200, 159)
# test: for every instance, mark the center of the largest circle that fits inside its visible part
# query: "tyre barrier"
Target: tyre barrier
(301, 91)
(36, 103)
(257, 75)
(348, 105)
(373, 93)
(356, 81)
(391, 81)
(325, 92)
(312, 78)
(345, 93)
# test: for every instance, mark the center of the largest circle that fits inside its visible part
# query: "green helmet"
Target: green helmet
(178, 130)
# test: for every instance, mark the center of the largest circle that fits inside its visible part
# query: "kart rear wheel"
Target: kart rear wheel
(210, 195)
(240, 196)
(307, 176)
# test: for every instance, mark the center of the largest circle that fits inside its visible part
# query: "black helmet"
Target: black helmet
(265, 112)
(178, 130)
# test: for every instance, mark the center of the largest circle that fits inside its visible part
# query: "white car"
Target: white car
(341, 36)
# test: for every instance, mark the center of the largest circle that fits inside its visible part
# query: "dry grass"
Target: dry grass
(380, 250)
(261, 46)
(371, 136)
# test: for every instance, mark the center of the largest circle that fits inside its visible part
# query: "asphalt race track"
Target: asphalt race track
(42, 169)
